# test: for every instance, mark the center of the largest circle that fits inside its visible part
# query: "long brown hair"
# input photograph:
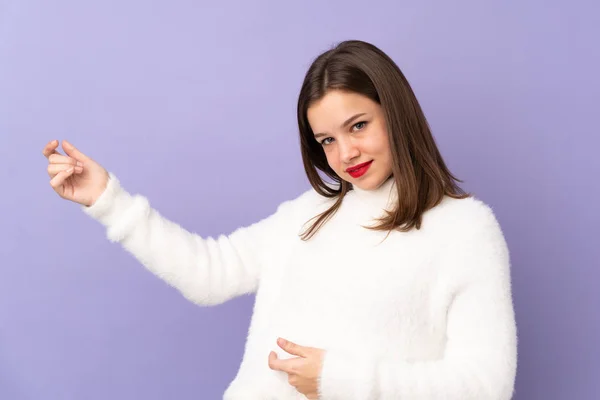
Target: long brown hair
(421, 176)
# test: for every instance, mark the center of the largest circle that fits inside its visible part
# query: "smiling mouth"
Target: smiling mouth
(357, 167)
(359, 170)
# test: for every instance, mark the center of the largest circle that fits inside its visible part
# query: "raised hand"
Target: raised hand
(74, 176)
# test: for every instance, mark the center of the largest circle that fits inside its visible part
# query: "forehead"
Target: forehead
(337, 105)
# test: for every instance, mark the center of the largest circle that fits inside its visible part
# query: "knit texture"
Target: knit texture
(425, 314)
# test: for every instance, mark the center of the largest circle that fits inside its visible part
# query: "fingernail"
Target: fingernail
(70, 170)
(79, 164)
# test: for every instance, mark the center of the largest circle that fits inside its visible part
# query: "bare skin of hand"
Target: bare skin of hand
(74, 176)
(303, 371)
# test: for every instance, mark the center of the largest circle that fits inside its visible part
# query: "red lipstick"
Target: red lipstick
(359, 170)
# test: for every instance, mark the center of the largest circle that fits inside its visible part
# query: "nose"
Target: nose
(348, 150)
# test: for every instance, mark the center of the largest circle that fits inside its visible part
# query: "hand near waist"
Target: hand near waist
(303, 371)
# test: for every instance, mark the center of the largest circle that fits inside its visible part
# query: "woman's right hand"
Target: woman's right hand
(75, 176)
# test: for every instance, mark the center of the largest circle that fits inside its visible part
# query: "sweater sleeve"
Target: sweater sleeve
(206, 271)
(480, 358)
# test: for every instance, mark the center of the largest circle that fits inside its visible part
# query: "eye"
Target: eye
(359, 125)
(324, 141)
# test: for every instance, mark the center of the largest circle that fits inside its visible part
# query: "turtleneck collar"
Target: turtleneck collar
(377, 199)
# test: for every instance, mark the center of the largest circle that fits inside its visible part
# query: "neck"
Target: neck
(380, 197)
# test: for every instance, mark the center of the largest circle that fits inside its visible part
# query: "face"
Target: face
(351, 129)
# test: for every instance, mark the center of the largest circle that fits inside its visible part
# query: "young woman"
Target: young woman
(385, 282)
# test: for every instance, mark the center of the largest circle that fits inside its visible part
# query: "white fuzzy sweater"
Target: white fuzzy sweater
(426, 314)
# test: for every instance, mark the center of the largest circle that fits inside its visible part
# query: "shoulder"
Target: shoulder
(305, 204)
(462, 217)
(471, 239)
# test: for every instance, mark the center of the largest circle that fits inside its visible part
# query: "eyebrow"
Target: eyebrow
(346, 123)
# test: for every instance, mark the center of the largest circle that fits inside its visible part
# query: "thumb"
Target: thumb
(73, 152)
(273, 361)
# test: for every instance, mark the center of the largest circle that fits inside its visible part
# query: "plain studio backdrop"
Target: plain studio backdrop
(193, 105)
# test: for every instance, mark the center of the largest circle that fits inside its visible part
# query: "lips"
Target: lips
(359, 170)
(357, 167)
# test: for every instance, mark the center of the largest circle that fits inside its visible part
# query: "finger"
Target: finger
(60, 159)
(54, 169)
(274, 361)
(72, 151)
(292, 348)
(50, 148)
(290, 365)
(60, 178)
(278, 365)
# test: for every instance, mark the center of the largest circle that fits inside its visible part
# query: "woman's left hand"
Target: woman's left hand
(303, 371)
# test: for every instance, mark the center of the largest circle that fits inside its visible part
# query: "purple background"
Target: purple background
(193, 105)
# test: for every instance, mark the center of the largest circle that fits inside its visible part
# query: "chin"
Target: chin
(372, 183)
(367, 184)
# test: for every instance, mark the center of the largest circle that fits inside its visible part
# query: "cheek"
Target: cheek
(380, 143)
(333, 160)
(376, 145)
